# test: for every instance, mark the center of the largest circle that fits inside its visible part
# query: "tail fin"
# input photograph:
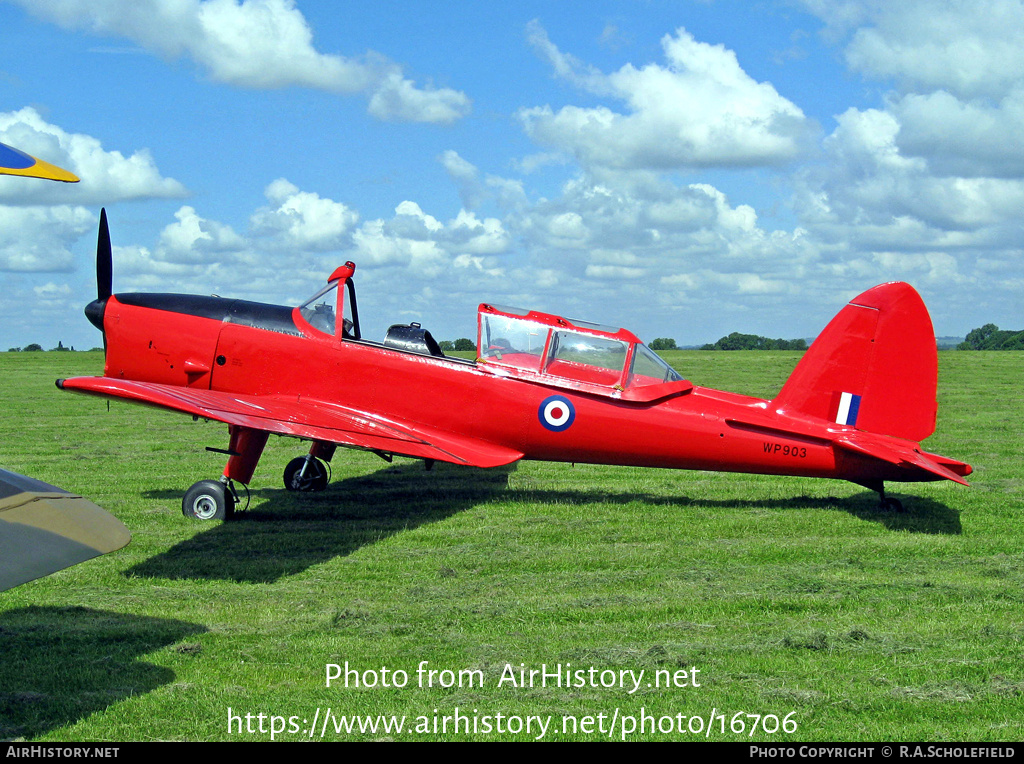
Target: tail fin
(874, 367)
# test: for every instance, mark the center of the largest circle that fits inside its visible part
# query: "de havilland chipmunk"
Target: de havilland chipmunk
(44, 528)
(542, 387)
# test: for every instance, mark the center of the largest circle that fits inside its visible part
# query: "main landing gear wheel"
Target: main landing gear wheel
(208, 500)
(305, 473)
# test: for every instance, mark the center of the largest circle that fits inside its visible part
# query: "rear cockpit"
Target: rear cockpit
(570, 353)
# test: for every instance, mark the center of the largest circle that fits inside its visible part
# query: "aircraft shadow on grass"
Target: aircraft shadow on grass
(921, 516)
(291, 532)
(62, 664)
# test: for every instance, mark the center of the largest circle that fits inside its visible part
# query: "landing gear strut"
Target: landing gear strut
(216, 499)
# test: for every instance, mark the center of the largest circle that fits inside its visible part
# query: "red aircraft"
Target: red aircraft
(542, 387)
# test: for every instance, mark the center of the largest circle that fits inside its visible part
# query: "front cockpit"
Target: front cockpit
(318, 310)
(321, 310)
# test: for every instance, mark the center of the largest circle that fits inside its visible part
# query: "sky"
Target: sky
(684, 169)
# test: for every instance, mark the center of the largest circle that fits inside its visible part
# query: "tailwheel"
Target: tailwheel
(889, 504)
(885, 503)
(208, 500)
(305, 473)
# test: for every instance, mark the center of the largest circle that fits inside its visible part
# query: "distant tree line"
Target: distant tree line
(35, 347)
(734, 341)
(460, 344)
(991, 337)
(737, 341)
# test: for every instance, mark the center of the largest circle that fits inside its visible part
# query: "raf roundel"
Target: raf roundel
(556, 413)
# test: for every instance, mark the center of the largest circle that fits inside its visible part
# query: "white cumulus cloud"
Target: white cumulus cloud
(39, 239)
(972, 48)
(699, 109)
(255, 44)
(302, 219)
(196, 240)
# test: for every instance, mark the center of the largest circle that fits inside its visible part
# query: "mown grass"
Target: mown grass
(788, 594)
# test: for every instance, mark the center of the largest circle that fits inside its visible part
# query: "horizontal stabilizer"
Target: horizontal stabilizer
(906, 456)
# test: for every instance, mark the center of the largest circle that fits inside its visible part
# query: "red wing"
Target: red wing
(305, 418)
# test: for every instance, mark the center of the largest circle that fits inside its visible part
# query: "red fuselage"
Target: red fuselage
(235, 347)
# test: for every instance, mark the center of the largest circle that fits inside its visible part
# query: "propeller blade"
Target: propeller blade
(104, 260)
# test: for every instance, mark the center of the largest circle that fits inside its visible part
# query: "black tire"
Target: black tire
(315, 478)
(208, 500)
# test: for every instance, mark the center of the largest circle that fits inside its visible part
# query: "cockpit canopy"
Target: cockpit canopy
(574, 351)
(555, 351)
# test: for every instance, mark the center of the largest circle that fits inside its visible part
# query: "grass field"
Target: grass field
(794, 599)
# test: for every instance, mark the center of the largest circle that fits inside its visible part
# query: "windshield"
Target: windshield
(318, 310)
(649, 369)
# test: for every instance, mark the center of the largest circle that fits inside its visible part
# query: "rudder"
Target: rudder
(874, 367)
